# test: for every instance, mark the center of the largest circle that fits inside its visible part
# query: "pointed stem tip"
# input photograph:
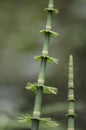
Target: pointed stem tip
(71, 57)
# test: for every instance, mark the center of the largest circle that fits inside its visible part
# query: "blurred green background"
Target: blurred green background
(20, 40)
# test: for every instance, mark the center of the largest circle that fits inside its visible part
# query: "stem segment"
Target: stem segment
(51, 3)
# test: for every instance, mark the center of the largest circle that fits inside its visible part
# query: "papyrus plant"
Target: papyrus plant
(71, 99)
(39, 87)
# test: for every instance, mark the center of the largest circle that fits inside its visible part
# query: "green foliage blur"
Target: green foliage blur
(20, 41)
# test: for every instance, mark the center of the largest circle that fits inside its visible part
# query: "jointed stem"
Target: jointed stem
(41, 77)
(39, 88)
(71, 100)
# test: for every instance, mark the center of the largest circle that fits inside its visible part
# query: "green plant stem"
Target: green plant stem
(51, 3)
(39, 87)
(37, 106)
(42, 72)
(71, 100)
(49, 22)
(49, 15)
(35, 125)
(38, 100)
(71, 123)
(46, 44)
(41, 77)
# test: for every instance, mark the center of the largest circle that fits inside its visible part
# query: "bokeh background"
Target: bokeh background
(20, 41)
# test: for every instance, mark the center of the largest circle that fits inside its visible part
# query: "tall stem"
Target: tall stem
(41, 77)
(39, 88)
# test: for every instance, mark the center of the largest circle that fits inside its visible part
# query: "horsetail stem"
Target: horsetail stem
(71, 100)
(41, 77)
(39, 87)
(38, 98)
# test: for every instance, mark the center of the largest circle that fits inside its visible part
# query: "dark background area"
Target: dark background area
(20, 41)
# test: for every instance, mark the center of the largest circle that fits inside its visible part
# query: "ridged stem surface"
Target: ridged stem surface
(71, 100)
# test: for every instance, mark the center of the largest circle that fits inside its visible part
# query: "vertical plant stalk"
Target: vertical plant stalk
(41, 77)
(39, 87)
(71, 99)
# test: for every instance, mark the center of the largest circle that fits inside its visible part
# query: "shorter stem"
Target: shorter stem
(71, 109)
